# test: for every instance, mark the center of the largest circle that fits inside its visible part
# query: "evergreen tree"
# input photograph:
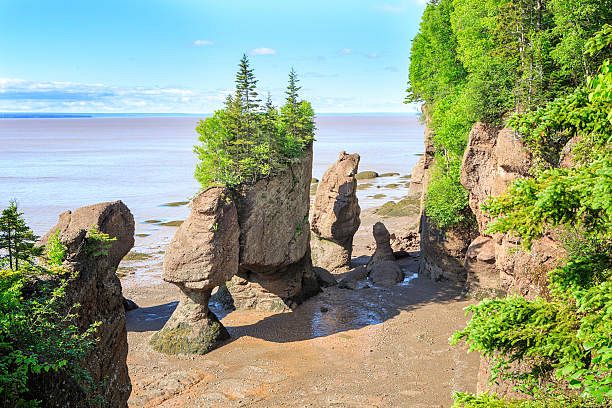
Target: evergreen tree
(246, 86)
(293, 89)
(16, 238)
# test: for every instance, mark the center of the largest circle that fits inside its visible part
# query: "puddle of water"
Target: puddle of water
(340, 318)
(408, 278)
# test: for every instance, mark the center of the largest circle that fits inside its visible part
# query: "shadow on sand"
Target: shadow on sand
(333, 311)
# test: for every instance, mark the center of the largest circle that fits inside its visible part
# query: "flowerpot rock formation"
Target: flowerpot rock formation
(203, 254)
(98, 290)
(335, 218)
(256, 239)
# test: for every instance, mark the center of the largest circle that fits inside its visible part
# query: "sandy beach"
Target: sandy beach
(372, 347)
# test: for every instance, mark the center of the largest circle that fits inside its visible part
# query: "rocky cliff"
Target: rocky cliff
(487, 264)
(442, 252)
(98, 291)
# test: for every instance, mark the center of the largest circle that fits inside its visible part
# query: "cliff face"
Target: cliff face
(98, 290)
(493, 159)
(442, 252)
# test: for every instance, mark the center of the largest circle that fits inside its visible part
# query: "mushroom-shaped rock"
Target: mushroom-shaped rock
(97, 289)
(382, 268)
(203, 254)
(335, 217)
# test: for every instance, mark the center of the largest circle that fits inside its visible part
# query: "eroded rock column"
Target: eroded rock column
(98, 290)
(382, 268)
(335, 218)
(203, 254)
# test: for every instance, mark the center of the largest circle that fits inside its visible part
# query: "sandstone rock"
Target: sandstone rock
(493, 159)
(203, 254)
(382, 268)
(335, 217)
(275, 269)
(383, 250)
(277, 291)
(525, 272)
(192, 328)
(443, 252)
(273, 218)
(567, 157)
(350, 279)
(324, 277)
(204, 251)
(386, 273)
(98, 290)
(483, 276)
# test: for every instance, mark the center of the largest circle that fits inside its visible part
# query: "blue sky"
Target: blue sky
(181, 55)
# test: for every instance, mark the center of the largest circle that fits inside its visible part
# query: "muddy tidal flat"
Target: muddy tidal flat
(371, 347)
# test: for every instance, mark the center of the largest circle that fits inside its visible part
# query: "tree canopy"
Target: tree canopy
(246, 141)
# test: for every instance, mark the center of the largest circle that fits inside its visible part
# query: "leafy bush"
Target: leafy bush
(245, 142)
(446, 199)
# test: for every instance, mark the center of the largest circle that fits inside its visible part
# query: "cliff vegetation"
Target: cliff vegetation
(542, 68)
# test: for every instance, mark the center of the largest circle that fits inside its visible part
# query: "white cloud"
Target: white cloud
(345, 51)
(393, 8)
(263, 51)
(203, 43)
(372, 55)
(19, 95)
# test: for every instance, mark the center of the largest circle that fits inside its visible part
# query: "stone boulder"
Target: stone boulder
(275, 267)
(203, 254)
(98, 290)
(335, 217)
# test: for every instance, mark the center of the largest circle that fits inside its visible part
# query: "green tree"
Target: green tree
(16, 238)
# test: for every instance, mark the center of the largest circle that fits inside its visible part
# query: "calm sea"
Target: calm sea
(52, 165)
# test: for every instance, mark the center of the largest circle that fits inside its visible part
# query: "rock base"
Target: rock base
(278, 291)
(330, 255)
(192, 329)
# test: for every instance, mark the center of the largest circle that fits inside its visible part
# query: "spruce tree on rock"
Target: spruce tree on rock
(16, 238)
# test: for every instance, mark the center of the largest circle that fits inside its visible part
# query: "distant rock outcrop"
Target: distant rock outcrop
(335, 218)
(98, 290)
(203, 254)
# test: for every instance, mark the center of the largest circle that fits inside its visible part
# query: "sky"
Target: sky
(180, 56)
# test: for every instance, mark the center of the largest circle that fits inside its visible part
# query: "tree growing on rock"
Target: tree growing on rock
(244, 142)
(16, 238)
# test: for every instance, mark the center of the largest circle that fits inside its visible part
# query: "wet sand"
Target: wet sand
(373, 347)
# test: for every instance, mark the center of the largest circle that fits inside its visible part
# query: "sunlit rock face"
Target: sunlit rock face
(335, 218)
(203, 254)
(275, 271)
(97, 290)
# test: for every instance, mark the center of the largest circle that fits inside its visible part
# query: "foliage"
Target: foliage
(557, 349)
(98, 243)
(245, 141)
(446, 197)
(55, 251)
(38, 331)
(578, 196)
(483, 60)
(16, 239)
